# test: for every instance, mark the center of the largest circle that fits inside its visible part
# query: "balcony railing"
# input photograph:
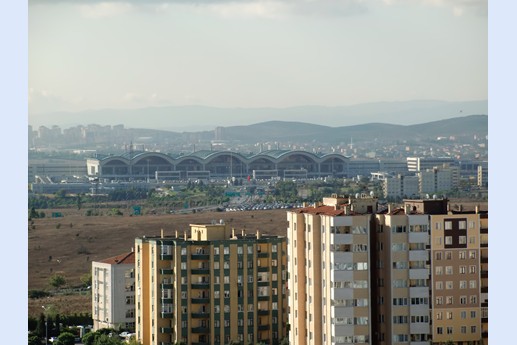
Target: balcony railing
(200, 315)
(166, 271)
(200, 300)
(200, 285)
(200, 330)
(200, 256)
(200, 271)
(166, 330)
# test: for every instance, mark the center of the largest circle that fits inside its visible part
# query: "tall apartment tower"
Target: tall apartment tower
(459, 271)
(329, 280)
(211, 287)
(113, 292)
(416, 274)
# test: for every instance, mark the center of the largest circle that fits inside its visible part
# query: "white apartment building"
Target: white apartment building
(113, 292)
(435, 180)
(401, 186)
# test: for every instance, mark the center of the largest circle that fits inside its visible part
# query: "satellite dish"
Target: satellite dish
(427, 196)
(372, 193)
(435, 196)
(357, 195)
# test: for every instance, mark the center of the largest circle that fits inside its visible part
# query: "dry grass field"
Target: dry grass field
(69, 244)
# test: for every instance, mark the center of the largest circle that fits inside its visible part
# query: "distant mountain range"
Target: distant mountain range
(284, 131)
(201, 118)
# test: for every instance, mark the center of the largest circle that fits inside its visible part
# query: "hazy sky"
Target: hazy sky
(277, 53)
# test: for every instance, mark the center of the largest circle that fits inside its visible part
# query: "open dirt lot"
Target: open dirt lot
(69, 244)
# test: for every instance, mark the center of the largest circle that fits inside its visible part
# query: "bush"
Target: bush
(66, 338)
(38, 294)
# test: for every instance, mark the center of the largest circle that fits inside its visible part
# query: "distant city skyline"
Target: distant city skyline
(253, 54)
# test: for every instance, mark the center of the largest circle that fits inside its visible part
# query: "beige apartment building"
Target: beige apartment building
(415, 274)
(212, 286)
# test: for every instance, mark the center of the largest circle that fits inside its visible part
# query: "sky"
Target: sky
(275, 53)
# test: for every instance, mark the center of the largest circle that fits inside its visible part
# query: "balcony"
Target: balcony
(166, 271)
(484, 289)
(262, 283)
(167, 300)
(200, 256)
(200, 271)
(263, 269)
(200, 300)
(262, 255)
(166, 256)
(166, 330)
(168, 285)
(204, 285)
(484, 230)
(263, 298)
(484, 245)
(167, 315)
(200, 330)
(263, 327)
(262, 312)
(200, 315)
(484, 259)
(484, 274)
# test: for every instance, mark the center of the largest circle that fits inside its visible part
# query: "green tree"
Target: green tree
(105, 339)
(40, 328)
(88, 338)
(66, 338)
(34, 340)
(86, 279)
(57, 281)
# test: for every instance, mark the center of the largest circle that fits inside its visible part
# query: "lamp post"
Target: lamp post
(46, 328)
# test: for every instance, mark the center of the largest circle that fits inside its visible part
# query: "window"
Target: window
(216, 250)
(183, 251)
(448, 239)
(439, 330)
(439, 315)
(226, 250)
(463, 239)
(448, 225)
(438, 270)
(462, 254)
(438, 226)
(438, 255)
(473, 299)
(463, 314)
(274, 248)
(463, 299)
(239, 250)
(463, 329)
(472, 269)
(472, 254)
(450, 300)
(438, 241)
(449, 315)
(216, 265)
(472, 224)
(439, 285)
(473, 314)
(462, 224)
(472, 329)
(449, 330)
(472, 239)
(472, 284)
(463, 284)
(448, 270)
(462, 269)
(449, 285)
(448, 255)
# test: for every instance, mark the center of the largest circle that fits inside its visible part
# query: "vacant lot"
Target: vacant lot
(69, 244)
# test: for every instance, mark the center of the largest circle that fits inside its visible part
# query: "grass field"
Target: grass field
(68, 245)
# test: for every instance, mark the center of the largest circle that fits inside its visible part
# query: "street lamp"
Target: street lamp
(46, 328)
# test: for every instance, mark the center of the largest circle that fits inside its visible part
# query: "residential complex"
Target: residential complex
(415, 274)
(211, 286)
(113, 296)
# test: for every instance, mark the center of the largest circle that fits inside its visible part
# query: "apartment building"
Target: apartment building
(414, 274)
(329, 280)
(401, 186)
(211, 286)
(436, 180)
(113, 295)
(459, 272)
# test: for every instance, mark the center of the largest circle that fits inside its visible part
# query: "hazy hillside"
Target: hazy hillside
(201, 118)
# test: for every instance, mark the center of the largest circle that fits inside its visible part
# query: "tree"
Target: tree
(34, 340)
(105, 339)
(86, 279)
(88, 338)
(40, 328)
(57, 280)
(66, 338)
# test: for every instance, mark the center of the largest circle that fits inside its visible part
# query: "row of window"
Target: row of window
(449, 285)
(448, 255)
(449, 315)
(449, 270)
(473, 299)
(450, 330)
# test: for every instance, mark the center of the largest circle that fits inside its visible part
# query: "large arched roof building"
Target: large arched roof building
(219, 164)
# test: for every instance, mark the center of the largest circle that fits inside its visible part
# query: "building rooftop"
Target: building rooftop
(127, 258)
